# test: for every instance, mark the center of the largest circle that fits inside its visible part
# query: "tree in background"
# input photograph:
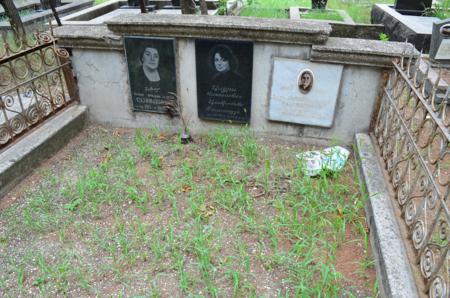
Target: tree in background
(188, 7)
(13, 15)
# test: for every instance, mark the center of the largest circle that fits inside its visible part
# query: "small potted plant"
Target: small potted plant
(319, 4)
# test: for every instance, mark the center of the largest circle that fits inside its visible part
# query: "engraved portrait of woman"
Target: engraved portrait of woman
(224, 79)
(150, 63)
(225, 65)
(152, 75)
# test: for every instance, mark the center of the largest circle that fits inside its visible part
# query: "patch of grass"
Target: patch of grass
(318, 14)
(220, 217)
(263, 12)
(440, 10)
(359, 11)
(97, 2)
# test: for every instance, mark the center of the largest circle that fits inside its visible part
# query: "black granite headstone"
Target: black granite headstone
(224, 80)
(412, 5)
(151, 70)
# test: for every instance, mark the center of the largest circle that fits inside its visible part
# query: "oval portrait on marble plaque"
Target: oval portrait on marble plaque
(305, 80)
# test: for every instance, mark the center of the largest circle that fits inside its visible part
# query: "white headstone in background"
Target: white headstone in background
(294, 98)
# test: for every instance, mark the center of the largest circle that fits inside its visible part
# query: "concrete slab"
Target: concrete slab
(391, 261)
(169, 11)
(108, 16)
(21, 157)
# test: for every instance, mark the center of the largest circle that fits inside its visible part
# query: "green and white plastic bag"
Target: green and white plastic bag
(331, 159)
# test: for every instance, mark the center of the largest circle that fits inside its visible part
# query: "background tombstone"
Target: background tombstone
(151, 70)
(440, 42)
(412, 6)
(224, 80)
(304, 92)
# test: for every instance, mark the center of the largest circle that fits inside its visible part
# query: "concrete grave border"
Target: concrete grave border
(21, 157)
(391, 260)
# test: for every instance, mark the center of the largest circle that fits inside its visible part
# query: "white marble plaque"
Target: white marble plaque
(443, 52)
(304, 92)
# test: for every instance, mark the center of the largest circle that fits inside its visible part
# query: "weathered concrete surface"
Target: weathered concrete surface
(22, 157)
(360, 51)
(392, 265)
(417, 30)
(230, 27)
(361, 31)
(88, 37)
(102, 72)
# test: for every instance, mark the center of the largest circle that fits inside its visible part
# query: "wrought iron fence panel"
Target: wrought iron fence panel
(412, 132)
(36, 80)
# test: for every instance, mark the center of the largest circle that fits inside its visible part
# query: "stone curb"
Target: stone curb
(391, 261)
(354, 51)
(21, 158)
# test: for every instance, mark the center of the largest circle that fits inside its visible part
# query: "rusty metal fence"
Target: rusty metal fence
(412, 133)
(36, 81)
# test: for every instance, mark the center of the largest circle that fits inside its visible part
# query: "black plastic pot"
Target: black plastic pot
(319, 4)
(185, 138)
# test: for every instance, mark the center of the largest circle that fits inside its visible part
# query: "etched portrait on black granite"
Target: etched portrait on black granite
(151, 70)
(224, 80)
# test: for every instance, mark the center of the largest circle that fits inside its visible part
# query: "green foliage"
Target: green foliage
(220, 138)
(383, 37)
(222, 7)
(249, 148)
(146, 149)
(440, 10)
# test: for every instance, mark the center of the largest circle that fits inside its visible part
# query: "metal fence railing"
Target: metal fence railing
(36, 80)
(412, 133)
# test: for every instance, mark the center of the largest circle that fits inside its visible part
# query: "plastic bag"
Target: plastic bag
(332, 159)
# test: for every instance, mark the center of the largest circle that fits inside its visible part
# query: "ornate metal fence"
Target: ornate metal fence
(36, 80)
(412, 132)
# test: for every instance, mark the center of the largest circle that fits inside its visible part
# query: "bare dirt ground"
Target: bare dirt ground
(121, 212)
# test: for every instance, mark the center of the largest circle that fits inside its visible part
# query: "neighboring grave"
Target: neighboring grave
(440, 43)
(416, 29)
(135, 4)
(224, 80)
(304, 92)
(151, 70)
(413, 7)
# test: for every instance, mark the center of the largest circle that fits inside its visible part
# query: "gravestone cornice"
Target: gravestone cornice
(361, 52)
(229, 27)
(88, 37)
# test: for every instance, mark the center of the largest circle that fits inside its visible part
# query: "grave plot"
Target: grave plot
(135, 212)
(359, 11)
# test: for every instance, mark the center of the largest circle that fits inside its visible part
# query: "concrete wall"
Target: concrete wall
(100, 65)
(104, 89)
